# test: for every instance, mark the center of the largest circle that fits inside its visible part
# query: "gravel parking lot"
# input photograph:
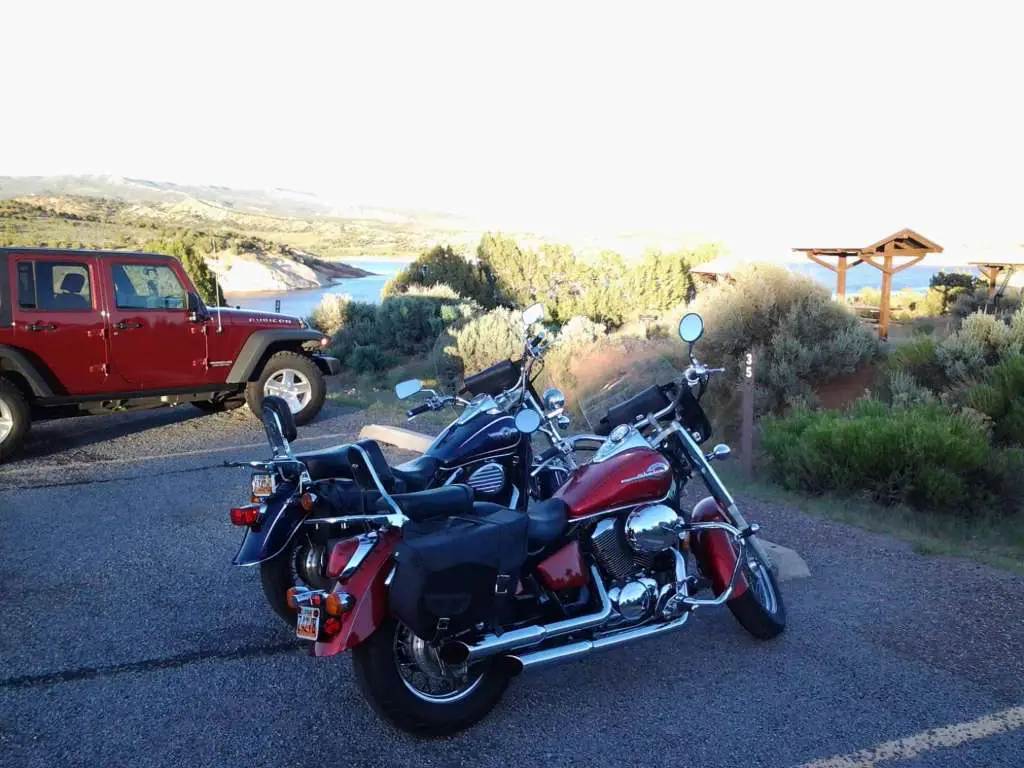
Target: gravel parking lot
(130, 639)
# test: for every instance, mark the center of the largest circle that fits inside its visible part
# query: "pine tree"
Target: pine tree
(202, 276)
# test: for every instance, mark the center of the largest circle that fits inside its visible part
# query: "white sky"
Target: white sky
(806, 124)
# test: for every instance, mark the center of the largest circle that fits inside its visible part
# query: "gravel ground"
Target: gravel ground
(129, 639)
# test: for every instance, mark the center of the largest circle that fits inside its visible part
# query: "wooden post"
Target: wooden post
(992, 273)
(841, 279)
(884, 309)
(747, 426)
(277, 306)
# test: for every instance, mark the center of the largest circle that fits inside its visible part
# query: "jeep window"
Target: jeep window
(147, 286)
(50, 286)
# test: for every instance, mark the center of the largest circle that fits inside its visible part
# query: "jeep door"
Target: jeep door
(153, 344)
(57, 318)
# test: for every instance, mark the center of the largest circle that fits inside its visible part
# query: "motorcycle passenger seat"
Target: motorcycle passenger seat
(327, 463)
(417, 473)
(547, 520)
(447, 501)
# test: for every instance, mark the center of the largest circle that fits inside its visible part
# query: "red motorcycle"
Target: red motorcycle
(443, 600)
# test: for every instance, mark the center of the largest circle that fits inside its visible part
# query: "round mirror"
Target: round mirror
(533, 314)
(554, 400)
(691, 327)
(404, 389)
(527, 421)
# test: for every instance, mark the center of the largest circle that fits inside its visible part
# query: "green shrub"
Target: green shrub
(803, 336)
(441, 265)
(919, 359)
(489, 338)
(924, 455)
(331, 314)
(1001, 398)
(366, 358)
(982, 340)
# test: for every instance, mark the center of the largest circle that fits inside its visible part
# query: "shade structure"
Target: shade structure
(890, 255)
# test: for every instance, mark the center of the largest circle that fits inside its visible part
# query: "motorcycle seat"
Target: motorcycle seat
(545, 520)
(417, 473)
(327, 463)
(447, 501)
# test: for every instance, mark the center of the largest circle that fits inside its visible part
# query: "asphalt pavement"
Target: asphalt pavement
(128, 638)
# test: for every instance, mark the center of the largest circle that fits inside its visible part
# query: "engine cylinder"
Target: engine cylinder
(652, 528)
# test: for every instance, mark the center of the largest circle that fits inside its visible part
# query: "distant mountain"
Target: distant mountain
(266, 202)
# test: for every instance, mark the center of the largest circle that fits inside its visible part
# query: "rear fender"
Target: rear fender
(367, 588)
(713, 550)
(281, 518)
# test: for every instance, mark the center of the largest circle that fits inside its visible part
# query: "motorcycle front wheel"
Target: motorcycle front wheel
(406, 683)
(760, 609)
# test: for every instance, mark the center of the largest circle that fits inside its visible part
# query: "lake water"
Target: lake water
(301, 303)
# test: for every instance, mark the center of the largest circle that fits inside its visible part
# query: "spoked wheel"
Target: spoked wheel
(760, 609)
(299, 565)
(406, 683)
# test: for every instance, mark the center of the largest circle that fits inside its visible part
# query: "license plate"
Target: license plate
(263, 484)
(308, 625)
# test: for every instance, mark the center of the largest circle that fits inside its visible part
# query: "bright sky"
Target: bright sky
(802, 123)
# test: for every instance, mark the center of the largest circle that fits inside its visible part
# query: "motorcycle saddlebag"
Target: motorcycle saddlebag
(454, 573)
(494, 380)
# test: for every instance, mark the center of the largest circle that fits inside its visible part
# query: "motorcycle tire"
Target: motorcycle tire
(762, 621)
(276, 578)
(377, 674)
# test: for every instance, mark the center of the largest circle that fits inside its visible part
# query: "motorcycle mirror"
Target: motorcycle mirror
(691, 327)
(527, 421)
(404, 389)
(533, 314)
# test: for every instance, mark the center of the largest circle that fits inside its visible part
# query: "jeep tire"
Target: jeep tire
(280, 370)
(15, 417)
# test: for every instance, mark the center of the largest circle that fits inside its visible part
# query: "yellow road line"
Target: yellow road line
(936, 738)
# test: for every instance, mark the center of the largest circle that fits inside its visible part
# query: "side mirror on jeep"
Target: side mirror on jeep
(196, 309)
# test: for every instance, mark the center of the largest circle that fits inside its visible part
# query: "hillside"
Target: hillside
(246, 256)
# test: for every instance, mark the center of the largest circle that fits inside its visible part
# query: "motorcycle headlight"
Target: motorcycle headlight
(554, 399)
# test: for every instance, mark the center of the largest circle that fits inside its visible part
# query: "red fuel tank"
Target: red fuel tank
(631, 477)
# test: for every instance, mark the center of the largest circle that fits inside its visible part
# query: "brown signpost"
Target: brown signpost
(747, 423)
(906, 245)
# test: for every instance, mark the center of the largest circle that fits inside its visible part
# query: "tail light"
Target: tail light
(307, 501)
(245, 516)
(340, 556)
(331, 627)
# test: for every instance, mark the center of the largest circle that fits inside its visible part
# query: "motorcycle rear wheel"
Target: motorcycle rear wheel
(760, 609)
(381, 665)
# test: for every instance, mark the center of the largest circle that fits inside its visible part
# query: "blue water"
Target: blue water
(866, 276)
(301, 303)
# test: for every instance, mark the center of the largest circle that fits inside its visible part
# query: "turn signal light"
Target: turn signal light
(338, 603)
(339, 557)
(248, 515)
(292, 597)
(332, 626)
(307, 500)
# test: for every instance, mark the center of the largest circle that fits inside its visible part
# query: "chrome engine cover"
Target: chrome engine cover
(487, 479)
(652, 528)
(635, 600)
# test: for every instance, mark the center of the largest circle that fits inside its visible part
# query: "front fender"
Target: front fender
(280, 520)
(713, 550)
(370, 592)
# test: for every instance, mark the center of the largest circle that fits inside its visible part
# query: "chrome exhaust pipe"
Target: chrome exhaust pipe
(524, 661)
(527, 637)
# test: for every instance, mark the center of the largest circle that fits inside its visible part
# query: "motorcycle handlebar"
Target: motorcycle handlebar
(418, 410)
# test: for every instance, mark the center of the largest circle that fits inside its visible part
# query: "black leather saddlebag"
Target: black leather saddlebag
(456, 572)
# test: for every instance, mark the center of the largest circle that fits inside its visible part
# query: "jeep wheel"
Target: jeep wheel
(219, 406)
(15, 418)
(293, 377)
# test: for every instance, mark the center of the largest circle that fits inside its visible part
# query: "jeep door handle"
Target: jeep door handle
(126, 325)
(40, 327)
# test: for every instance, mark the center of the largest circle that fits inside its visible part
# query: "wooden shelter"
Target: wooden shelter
(994, 269)
(906, 245)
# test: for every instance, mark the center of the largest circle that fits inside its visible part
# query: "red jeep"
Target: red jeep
(97, 331)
